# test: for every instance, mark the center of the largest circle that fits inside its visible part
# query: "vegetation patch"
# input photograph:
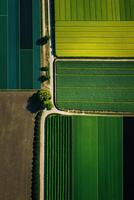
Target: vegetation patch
(36, 159)
(95, 86)
(39, 101)
(83, 157)
(44, 98)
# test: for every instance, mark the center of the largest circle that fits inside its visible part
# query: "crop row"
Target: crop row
(57, 157)
(95, 88)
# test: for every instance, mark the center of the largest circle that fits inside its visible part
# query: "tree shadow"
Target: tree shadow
(33, 104)
(43, 78)
(42, 41)
(52, 24)
(44, 69)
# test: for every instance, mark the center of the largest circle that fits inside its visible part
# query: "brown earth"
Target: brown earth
(16, 142)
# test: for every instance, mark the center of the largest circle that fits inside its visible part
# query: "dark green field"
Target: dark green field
(83, 158)
(95, 86)
(19, 53)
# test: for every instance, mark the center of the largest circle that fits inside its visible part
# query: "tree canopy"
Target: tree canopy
(44, 97)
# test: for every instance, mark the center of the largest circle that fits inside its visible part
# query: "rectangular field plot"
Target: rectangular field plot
(83, 158)
(19, 53)
(94, 10)
(16, 146)
(94, 28)
(95, 86)
(94, 39)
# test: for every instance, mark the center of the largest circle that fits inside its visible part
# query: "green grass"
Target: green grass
(100, 86)
(83, 158)
(110, 154)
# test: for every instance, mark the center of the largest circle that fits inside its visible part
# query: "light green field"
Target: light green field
(94, 28)
(95, 86)
(94, 10)
(94, 38)
(83, 158)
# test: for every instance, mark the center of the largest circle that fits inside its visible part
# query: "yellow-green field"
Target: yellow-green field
(99, 28)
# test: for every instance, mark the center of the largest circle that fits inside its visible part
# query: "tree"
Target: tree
(43, 95)
(42, 41)
(48, 105)
(45, 69)
(44, 78)
(44, 99)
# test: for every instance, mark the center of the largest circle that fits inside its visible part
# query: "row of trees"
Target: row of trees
(36, 159)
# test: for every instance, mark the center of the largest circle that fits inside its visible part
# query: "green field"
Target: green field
(19, 53)
(94, 28)
(94, 10)
(95, 86)
(57, 148)
(83, 158)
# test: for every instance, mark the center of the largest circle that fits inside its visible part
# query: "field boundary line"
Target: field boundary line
(87, 59)
(95, 68)
(94, 74)
(93, 87)
(114, 102)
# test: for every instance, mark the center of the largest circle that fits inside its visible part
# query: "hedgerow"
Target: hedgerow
(36, 159)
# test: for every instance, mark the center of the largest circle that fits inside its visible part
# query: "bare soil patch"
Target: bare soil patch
(16, 142)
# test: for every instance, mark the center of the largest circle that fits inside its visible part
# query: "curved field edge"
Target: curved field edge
(94, 86)
(71, 142)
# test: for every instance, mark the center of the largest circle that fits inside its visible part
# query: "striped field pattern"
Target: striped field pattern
(94, 10)
(95, 86)
(94, 28)
(84, 158)
(58, 131)
(94, 39)
(19, 53)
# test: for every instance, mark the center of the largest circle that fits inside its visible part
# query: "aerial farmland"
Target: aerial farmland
(99, 28)
(95, 85)
(19, 73)
(19, 55)
(66, 100)
(82, 163)
(88, 143)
